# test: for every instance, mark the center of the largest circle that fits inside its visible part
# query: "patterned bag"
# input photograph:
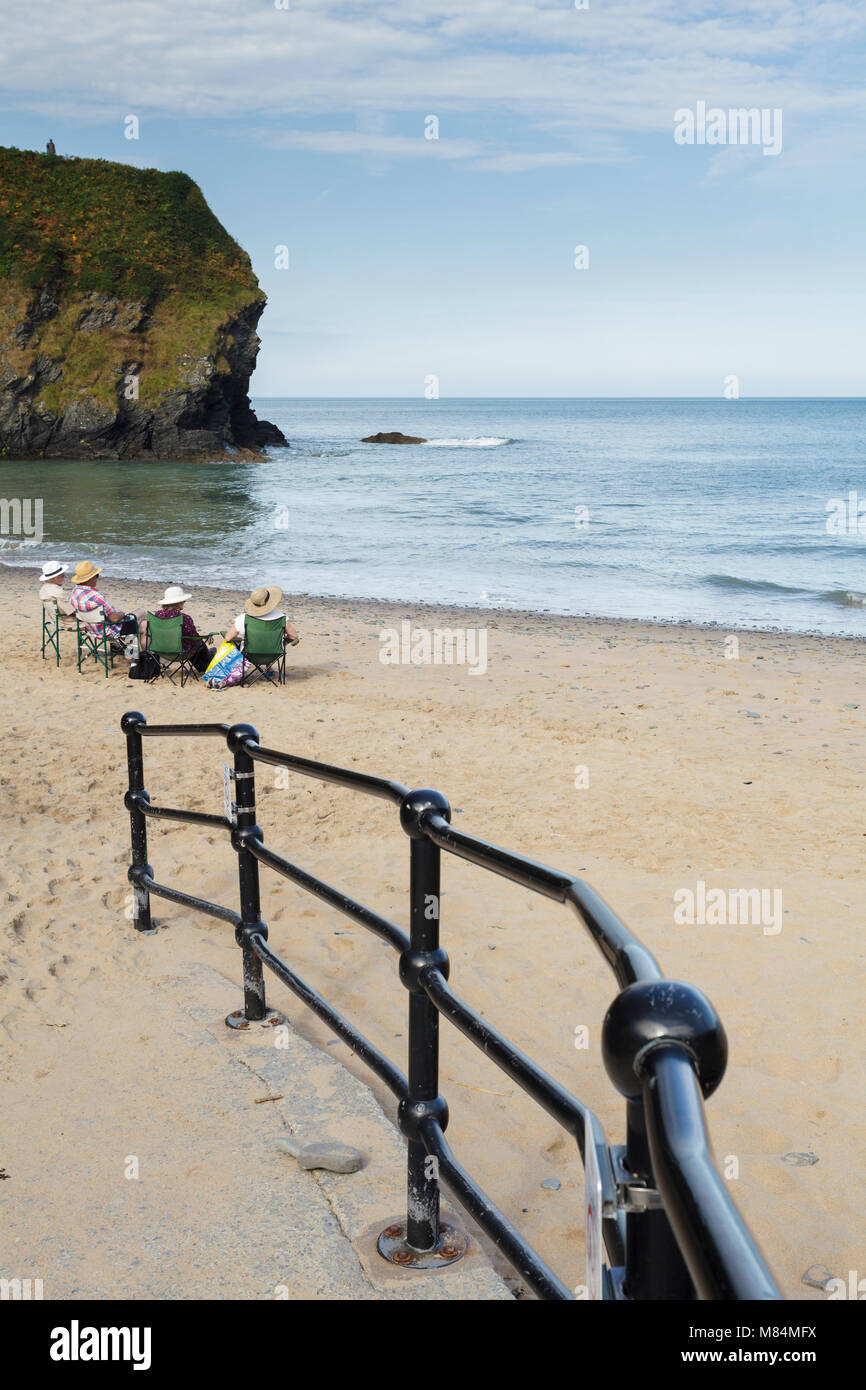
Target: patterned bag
(227, 668)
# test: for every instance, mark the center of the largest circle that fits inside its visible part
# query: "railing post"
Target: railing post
(425, 1242)
(644, 1016)
(255, 1008)
(131, 724)
(654, 1265)
(422, 1224)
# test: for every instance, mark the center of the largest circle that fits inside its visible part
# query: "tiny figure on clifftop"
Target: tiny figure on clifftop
(51, 147)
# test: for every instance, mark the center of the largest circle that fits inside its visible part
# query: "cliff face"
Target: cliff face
(127, 316)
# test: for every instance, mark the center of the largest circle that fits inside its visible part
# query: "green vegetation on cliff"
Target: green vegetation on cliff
(113, 229)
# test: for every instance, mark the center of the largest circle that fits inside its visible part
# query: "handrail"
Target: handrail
(667, 1222)
(361, 1046)
(387, 931)
(339, 776)
(626, 956)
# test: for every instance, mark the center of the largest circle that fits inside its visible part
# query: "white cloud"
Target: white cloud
(383, 146)
(615, 69)
(516, 162)
(361, 143)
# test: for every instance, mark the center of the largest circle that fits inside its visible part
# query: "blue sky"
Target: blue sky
(454, 258)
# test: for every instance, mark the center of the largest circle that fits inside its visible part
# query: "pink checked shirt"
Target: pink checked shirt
(84, 598)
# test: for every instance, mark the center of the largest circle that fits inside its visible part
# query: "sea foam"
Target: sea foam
(483, 441)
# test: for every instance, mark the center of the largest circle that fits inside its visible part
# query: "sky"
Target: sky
(418, 264)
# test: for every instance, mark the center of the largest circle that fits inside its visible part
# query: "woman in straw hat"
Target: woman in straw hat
(262, 603)
(85, 597)
(194, 644)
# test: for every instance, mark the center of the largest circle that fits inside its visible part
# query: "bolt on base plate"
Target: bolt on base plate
(272, 1019)
(450, 1247)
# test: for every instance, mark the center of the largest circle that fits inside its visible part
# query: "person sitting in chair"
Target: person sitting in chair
(194, 644)
(51, 588)
(265, 604)
(120, 628)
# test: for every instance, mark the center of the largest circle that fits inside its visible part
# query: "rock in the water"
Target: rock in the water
(127, 316)
(393, 437)
(325, 1153)
(266, 433)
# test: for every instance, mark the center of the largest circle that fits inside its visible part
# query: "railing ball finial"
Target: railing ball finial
(651, 1012)
(238, 735)
(416, 804)
(133, 719)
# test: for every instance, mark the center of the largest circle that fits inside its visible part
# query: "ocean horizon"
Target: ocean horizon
(738, 513)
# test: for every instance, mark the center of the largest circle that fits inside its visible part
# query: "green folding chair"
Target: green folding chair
(263, 645)
(165, 640)
(51, 629)
(93, 644)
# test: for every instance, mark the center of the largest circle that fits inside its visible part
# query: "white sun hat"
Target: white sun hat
(175, 594)
(51, 570)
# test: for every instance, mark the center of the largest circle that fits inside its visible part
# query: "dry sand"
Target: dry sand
(739, 772)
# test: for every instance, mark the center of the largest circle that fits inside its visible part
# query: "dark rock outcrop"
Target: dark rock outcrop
(206, 412)
(394, 437)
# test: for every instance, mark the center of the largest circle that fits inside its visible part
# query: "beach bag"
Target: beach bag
(226, 669)
(145, 668)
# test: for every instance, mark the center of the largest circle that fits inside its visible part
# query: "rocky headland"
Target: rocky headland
(128, 316)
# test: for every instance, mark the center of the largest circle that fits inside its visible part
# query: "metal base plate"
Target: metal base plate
(272, 1019)
(450, 1248)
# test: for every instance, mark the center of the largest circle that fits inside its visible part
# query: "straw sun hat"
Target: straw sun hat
(84, 570)
(261, 601)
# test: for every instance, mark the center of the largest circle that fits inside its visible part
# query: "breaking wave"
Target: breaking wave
(484, 441)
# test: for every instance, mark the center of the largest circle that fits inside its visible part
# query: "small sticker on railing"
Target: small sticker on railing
(228, 801)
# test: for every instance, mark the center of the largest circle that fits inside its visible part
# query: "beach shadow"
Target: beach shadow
(296, 674)
(306, 673)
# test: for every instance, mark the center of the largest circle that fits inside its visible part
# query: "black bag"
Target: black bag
(202, 657)
(146, 668)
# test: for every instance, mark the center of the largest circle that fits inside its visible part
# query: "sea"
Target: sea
(741, 513)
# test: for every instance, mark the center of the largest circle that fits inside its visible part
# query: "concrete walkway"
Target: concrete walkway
(216, 1211)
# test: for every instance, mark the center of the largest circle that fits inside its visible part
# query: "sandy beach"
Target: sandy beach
(645, 758)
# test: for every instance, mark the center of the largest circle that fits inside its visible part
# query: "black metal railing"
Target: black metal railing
(667, 1224)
